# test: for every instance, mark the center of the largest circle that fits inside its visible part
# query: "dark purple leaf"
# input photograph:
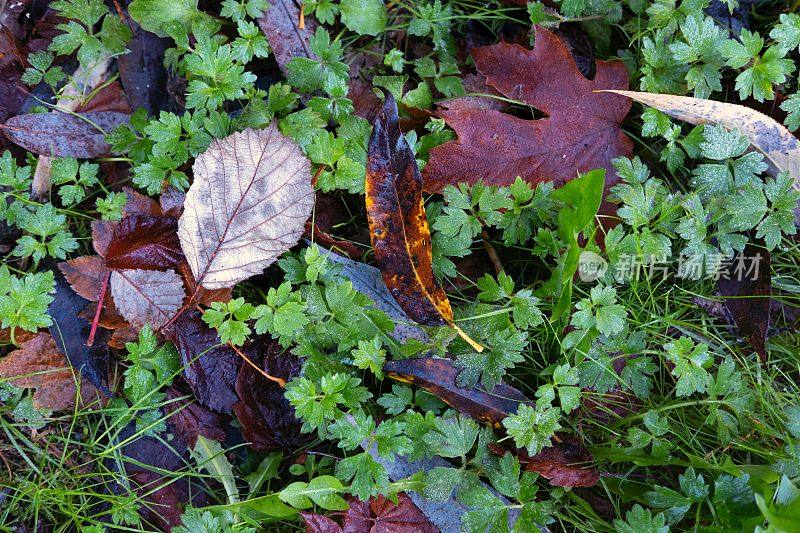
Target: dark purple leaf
(144, 242)
(71, 332)
(64, 135)
(188, 419)
(746, 286)
(211, 367)
(268, 420)
(281, 25)
(142, 70)
(438, 376)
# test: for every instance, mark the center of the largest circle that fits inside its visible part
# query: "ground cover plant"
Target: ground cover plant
(355, 265)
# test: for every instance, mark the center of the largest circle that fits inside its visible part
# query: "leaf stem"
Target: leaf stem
(472, 342)
(100, 300)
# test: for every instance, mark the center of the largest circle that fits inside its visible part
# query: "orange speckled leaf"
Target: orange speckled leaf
(398, 227)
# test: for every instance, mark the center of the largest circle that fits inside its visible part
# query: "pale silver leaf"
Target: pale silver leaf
(147, 296)
(248, 204)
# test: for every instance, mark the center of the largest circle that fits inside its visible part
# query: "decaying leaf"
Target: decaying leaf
(188, 419)
(268, 420)
(581, 131)
(567, 463)
(780, 148)
(147, 296)
(211, 368)
(368, 280)
(71, 332)
(85, 275)
(747, 289)
(438, 376)
(398, 228)
(248, 204)
(64, 135)
(281, 25)
(142, 70)
(39, 365)
(379, 514)
(144, 242)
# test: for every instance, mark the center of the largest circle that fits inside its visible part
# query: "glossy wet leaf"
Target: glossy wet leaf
(438, 376)
(398, 228)
(144, 242)
(281, 24)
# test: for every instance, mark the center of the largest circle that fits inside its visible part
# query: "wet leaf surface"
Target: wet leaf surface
(268, 420)
(438, 376)
(399, 230)
(70, 333)
(211, 368)
(142, 71)
(747, 295)
(144, 242)
(64, 135)
(497, 147)
(188, 419)
(281, 25)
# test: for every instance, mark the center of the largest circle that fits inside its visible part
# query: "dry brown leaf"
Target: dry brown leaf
(147, 296)
(40, 366)
(248, 204)
(768, 136)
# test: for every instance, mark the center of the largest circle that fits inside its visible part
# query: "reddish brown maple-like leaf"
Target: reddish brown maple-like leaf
(398, 228)
(581, 131)
(378, 515)
(438, 376)
(39, 365)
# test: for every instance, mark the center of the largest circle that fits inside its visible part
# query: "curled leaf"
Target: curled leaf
(248, 204)
(398, 228)
(768, 136)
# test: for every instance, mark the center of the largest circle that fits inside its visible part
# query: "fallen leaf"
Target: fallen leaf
(446, 515)
(368, 280)
(70, 333)
(101, 236)
(398, 228)
(438, 376)
(187, 419)
(248, 204)
(60, 134)
(567, 463)
(147, 297)
(281, 24)
(143, 242)
(139, 204)
(378, 515)
(780, 148)
(581, 131)
(39, 365)
(747, 295)
(108, 98)
(171, 201)
(210, 368)
(268, 420)
(85, 275)
(142, 71)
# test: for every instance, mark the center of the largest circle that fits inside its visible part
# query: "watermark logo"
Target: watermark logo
(591, 266)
